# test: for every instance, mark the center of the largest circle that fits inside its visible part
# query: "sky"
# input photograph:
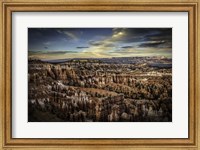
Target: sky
(62, 43)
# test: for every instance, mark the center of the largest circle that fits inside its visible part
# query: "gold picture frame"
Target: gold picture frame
(9, 6)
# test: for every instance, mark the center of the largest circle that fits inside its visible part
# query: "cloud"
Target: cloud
(103, 43)
(96, 43)
(49, 52)
(131, 35)
(109, 45)
(82, 47)
(118, 33)
(156, 44)
(151, 43)
(126, 46)
(126, 35)
(60, 52)
(68, 34)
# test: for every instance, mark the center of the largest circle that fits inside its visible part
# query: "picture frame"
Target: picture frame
(10, 6)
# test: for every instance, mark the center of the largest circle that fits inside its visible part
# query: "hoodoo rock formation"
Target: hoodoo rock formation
(98, 91)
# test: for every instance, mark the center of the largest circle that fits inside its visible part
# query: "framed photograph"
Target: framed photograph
(106, 75)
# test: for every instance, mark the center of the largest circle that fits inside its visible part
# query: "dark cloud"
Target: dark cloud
(156, 44)
(127, 47)
(152, 44)
(163, 34)
(34, 52)
(109, 45)
(60, 52)
(82, 47)
(51, 52)
(137, 31)
(131, 35)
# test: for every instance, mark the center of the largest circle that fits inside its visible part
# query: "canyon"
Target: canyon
(131, 89)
